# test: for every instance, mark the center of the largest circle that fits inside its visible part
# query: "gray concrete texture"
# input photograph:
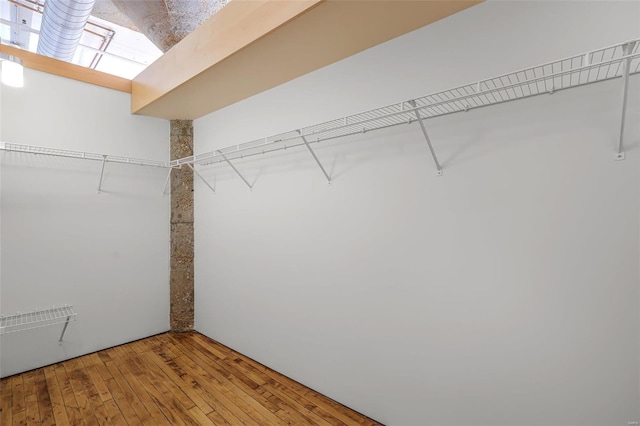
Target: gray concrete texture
(181, 276)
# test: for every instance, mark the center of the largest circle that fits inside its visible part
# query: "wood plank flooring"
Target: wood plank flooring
(168, 379)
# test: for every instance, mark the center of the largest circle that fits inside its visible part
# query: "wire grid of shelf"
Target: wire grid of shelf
(30, 149)
(37, 319)
(578, 70)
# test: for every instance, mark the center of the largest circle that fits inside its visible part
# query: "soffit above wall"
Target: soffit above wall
(67, 70)
(251, 46)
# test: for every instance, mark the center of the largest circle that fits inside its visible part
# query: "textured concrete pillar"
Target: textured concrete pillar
(181, 229)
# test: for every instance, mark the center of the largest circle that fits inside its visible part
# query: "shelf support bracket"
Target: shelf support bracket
(104, 160)
(626, 50)
(201, 178)
(166, 182)
(426, 136)
(306, 143)
(235, 170)
(64, 329)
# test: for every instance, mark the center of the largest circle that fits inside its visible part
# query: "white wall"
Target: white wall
(504, 293)
(63, 243)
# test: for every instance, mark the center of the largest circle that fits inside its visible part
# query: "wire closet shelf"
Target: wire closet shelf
(54, 152)
(595, 66)
(37, 319)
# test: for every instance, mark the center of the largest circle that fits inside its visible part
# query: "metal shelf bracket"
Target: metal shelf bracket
(426, 136)
(306, 143)
(104, 160)
(201, 178)
(627, 48)
(235, 170)
(64, 329)
(166, 182)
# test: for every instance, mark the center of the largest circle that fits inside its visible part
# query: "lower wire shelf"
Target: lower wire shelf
(39, 318)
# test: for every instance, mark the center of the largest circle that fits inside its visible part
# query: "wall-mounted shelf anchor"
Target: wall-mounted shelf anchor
(104, 160)
(201, 178)
(315, 157)
(426, 136)
(235, 170)
(627, 49)
(166, 182)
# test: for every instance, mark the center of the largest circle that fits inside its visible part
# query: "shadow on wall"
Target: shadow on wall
(51, 173)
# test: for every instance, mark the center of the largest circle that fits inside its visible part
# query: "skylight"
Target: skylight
(104, 46)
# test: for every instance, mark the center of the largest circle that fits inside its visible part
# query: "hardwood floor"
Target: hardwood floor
(168, 379)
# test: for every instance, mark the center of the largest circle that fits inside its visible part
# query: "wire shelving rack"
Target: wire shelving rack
(617, 61)
(38, 318)
(104, 158)
(54, 152)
